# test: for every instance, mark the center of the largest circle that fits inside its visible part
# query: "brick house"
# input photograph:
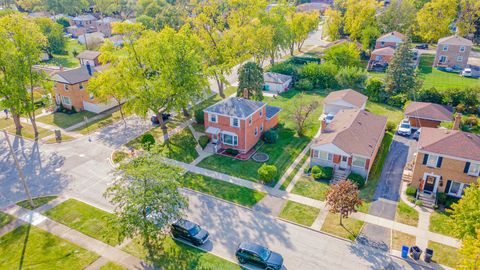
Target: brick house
(426, 114)
(350, 142)
(447, 161)
(453, 52)
(87, 21)
(239, 123)
(76, 31)
(392, 39)
(344, 99)
(89, 57)
(105, 25)
(381, 58)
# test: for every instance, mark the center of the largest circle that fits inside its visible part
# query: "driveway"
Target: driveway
(387, 193)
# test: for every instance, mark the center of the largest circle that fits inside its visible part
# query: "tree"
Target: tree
(300, 24)
(375, 90)
(267, 173)
(276, 18)
(63, 22)
(465, 214)
(399, 16)
(470, 254)
(435, 18)
(106, 7)
(301, 111)
(333, 24)
(55, 36)
(469, 15)
(343, 198)
(351, 77)
(359, 15)
(173, 16)
(65, 6)
(401, 77)
(430, 95)
(146, 199)
(369, 37)
(321, 75)
(343, 55)
(29, 5)
(250, 78)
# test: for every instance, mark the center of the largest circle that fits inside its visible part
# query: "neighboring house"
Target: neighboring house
(426, 114)
(381, 58)
(239, 123)
(312, 7)
(92, 38)
(71, 93)
(76, 31)
(392, 39)
(105, 25)
(276, 82)
(86, 21)
(344, 99)
(89, 57)
(452, 52)
(447, 161)
(350, 142)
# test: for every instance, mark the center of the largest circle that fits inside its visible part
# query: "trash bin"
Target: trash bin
(428, 255)
(404, 252)
(415, 252)
(58, 135)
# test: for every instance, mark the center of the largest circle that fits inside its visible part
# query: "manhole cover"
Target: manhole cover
(260, 157)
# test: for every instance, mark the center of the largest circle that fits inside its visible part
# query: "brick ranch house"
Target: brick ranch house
(350, 142)
(426, 114)
(447, 161)
(239, 123)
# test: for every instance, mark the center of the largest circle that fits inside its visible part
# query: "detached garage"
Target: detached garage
(276, 82)
(426, 114)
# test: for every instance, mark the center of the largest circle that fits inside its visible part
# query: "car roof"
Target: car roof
(251, 247)
(186, 224)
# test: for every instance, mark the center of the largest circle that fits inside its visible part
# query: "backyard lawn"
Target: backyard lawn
(393, 114)
(299, 213)
(310, 188)
(28, 247)
(350, 229)
(406, 214)
(218, 188)
(400, 239)
(443, 254)
(38, 201)
(86, 219)
(67, 60)
(64, 120)
(176, 255)
(439, 223)
(5, 219)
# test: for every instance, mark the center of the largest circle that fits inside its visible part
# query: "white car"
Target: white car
(467, 72)
(328, 118)
(404, 129)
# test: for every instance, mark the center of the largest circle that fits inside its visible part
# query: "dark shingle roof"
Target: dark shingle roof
(271, 111)
(235, 106)
(73, 76)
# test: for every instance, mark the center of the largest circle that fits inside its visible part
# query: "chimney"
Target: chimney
(457, 122)
(61, 68)
(245, 93)
(89, 69)
(323, 126)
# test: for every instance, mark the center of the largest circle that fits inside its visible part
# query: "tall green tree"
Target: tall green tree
(401, 77)
(55, 36)
(359, 14)
(276, 18)
(250, 78)
(465, 214)
(435, 18)
(147, 200)
(106, 7)
(299, 25)
(399, 16)
(343, 55)
(65, 6)
(333, 26)
(469, 14)
(369, 37)
(173, 16)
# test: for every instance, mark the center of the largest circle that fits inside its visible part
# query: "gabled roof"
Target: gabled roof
(236, 107)
(455, 40)
(384, 51)
(348, 95)
(276, 77)
(73, 76)
(87, 17)
(430, 111)
(90, 55)
(452, 143)
(354, 131)
(392, 37)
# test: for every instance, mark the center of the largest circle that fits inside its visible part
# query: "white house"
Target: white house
(276, 82)
(344, 99)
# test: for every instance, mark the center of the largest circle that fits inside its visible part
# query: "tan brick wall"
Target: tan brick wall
(378, 45)
(452, 53)
(451, 169)
(76, 95)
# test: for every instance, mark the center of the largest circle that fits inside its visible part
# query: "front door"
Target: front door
(214, 138)
(429, 184)
(344, 162)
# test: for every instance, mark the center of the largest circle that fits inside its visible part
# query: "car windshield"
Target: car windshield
(194, 230)
(329, 117)
(264, 253)
(405, 126)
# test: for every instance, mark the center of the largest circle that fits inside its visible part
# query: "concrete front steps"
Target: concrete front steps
(339, 175)
(427, 200)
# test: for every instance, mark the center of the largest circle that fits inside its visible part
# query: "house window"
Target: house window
(256, 131)
(261, 127)
(212, 118)
(65, 87)
(250, 121)
(474, 169)
(359, 161)
(443, 59)
(230, 139)
(66, 100)
(234, 122)
(261, 112)
(325, 155)
(432, 161)
(456, 189)
(91, 96)
(445, 48)
(382, 43)
(462, 48)
(459, 58)
(80, 85)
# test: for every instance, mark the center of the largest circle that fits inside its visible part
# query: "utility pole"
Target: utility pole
(19, 170)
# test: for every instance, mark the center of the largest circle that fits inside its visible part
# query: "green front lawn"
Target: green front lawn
(400, 239)
(38, 201)
(112, 266)
(218, 188)
(350, 229)
(439, 223)
(85, 219)
(181, 146)
(68, 60)
(175, 255)
(283, 152)
(310, 188)
(299, 213)
(406, 214)
(444, 254)
(100, 123)
(27, 130)
(5, 219)
(28, 247)
(294, 172)
(64, 120)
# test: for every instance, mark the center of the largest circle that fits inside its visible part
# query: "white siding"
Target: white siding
(100, 107)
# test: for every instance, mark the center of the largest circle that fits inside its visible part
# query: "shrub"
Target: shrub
(270, 136)
(199, 117)
(397, 100)
(286, 67)
(351, 77)
(232, 151)
(304, 85)
(325, 173)
(390, 126)
(357, 179)
(203, 141)
(267, 173)
(320, 75)
(441, 198)
(375, 90)
(471, 121)
(147, 141)
(411, 191)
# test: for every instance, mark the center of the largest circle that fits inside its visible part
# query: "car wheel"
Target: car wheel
(269, 268)
(241, 260)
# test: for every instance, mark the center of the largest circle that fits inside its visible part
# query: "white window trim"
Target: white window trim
(91, 96)
(459, 58)
(440, 59)
(445, 48)
(66, 98)
(460, 189)
(261, 113)
(261, 127)
(364, 162)
(462, 49)
(473, 173)
(435, 163)
(329, 156)
(233, 138)
(250, 120)
(210, 115)
(256, 132)
(232, 119)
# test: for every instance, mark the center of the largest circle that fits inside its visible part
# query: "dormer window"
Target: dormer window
(234, 122)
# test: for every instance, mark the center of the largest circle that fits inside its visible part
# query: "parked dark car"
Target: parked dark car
(165, 117)
(422, 46)
(259, 255)
(192, 232)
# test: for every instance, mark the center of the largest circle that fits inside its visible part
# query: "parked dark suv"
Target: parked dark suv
(261, 256)
(189, 231)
